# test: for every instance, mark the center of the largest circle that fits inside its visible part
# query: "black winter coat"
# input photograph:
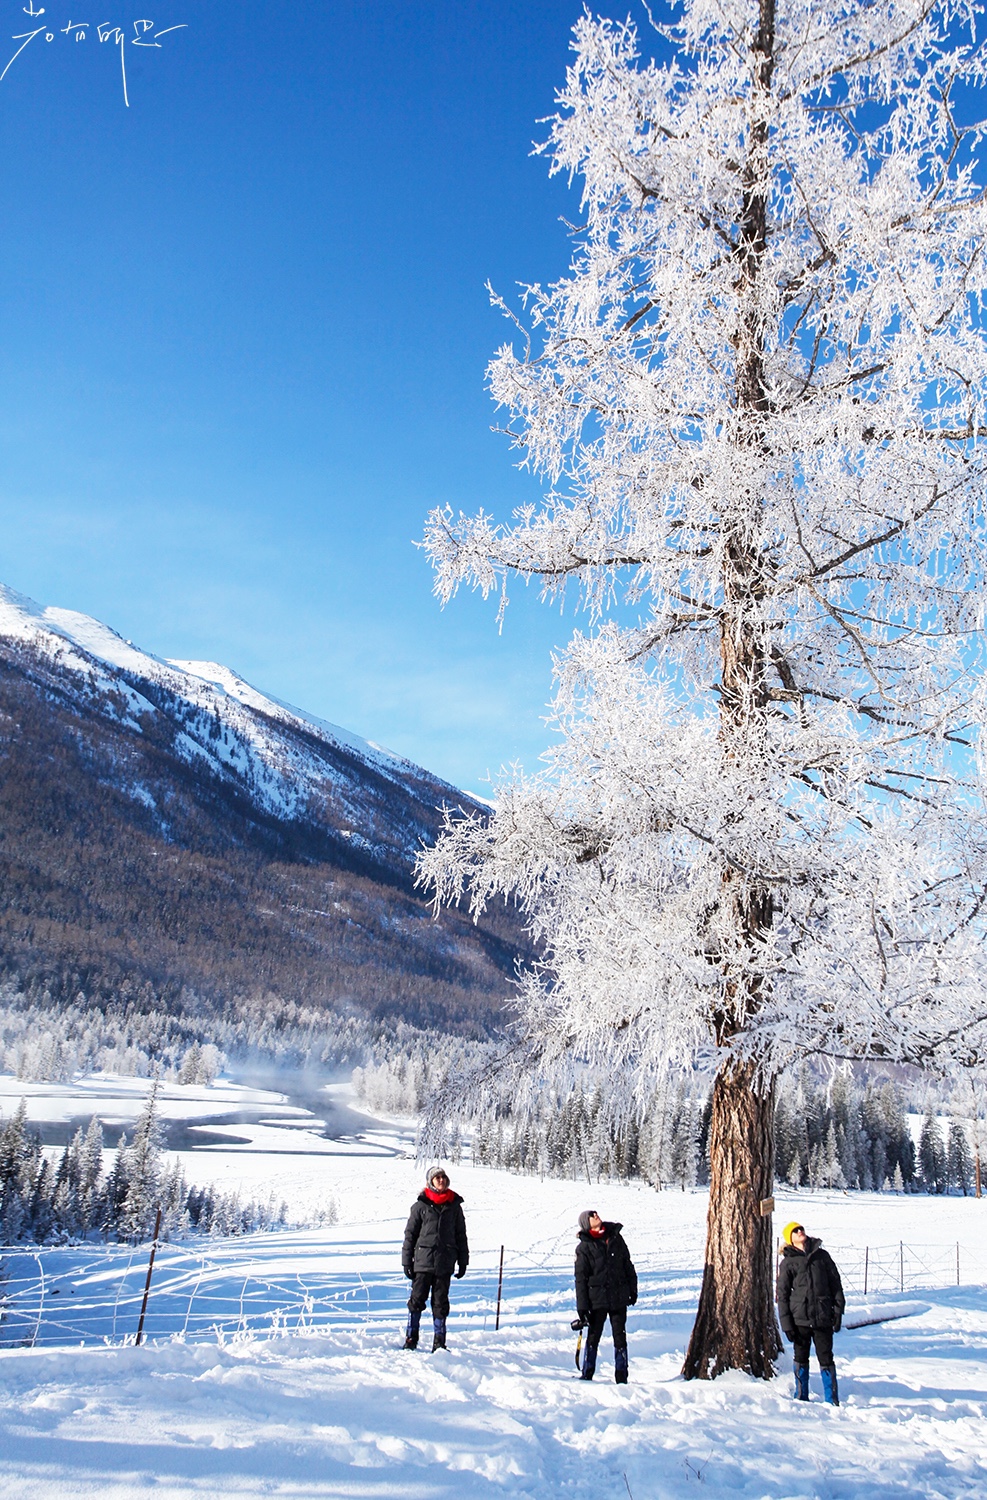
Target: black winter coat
(435, 1237)
(810, 1292)
(605, 1274)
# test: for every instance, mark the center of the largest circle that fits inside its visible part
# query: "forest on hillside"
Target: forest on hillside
(131, 874)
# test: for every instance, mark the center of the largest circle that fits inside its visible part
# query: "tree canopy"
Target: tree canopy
(756, 401)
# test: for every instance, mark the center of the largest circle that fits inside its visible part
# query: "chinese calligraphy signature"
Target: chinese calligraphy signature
(145, 34)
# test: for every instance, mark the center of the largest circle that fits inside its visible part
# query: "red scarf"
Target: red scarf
(440, 1198)
(598, 1234)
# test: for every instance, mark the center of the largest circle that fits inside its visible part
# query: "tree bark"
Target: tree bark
(735, 1327)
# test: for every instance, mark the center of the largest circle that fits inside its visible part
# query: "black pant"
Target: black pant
(423, 1283)
(823, 1340)
(618, 1326)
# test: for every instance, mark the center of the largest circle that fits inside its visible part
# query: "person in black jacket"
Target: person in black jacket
(810, 1307)
(434, 1243)
(606, 1286)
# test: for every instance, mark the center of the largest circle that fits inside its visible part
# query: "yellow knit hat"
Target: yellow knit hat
(786, 1233)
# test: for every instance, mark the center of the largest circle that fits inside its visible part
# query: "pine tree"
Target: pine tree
(932, 1154)
(16, 1175)
(191, 1067)
(66, 1202)
(959, 1160)
(143, 1171)
(831, 1172)
(41, 1216)
(683, 1152)
(90, 1177)
(115, 1194)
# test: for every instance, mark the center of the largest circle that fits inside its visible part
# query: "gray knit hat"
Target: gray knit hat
(584, 1219)
(433, 1171)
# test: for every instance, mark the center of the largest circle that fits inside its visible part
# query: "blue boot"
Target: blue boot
(801, 1391)
(589, 1361)
(830, 1388)
(620, 1365)
(439, 1337)
(411, 1332)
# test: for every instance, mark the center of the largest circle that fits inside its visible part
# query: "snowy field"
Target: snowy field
(273, 1364)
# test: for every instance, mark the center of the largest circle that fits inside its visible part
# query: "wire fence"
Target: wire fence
(900, 1267)
(73, 1295)
(270, 1284)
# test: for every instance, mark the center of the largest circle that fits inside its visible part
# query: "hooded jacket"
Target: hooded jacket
(435, 1237)
(605, 1274)
(810, 1292)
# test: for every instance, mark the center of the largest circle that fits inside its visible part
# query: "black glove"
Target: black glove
(460, 1273)
(583, 1314)
(837, 1322)
(409, 1273)
(577, 1323)
(632, 1302)
(788, 1332)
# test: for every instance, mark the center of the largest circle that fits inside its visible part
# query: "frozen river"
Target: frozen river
(240, 1109)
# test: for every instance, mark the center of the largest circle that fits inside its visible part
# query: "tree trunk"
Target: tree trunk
(735, 1327)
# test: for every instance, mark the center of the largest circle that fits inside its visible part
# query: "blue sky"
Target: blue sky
(244, 332)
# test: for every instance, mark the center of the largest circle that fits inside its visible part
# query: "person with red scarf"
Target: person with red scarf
(434, 1244)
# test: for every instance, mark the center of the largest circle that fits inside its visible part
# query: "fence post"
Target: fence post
(866, 1265)
(150, 1268)
(957, 1262)
(901, 1265)
(41, 1302)
(500, 1283)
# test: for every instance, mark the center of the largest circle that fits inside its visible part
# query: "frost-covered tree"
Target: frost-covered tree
(959, 1161)
(932, 1153)
(141, 1165)
(757, 403)
(970, 1101)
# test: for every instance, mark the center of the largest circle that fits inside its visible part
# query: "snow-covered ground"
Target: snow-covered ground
(328, 1404)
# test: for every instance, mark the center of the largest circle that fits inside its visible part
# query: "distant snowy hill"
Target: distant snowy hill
(130, 788)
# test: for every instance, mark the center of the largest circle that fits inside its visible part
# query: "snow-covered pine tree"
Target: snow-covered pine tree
(970, 1101)
(142, 1167)
(20, 1162)
(68, 1181)
(685, 1139)
(91, 1177)
(932, 1153)
(191, 1065)
(959, 1161)
(757, 401)
(115, 1192)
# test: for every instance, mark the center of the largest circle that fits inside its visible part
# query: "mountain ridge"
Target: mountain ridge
(252, 847)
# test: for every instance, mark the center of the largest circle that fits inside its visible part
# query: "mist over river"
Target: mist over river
(304, 1107)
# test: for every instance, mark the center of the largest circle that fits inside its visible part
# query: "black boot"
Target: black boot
(439, 1337)
(589, 1361)
(411, 1332)
(830, 1388)
(620, 1365)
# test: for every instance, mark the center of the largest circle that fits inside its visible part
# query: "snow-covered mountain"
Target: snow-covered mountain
(287, 762)
(204, 833)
